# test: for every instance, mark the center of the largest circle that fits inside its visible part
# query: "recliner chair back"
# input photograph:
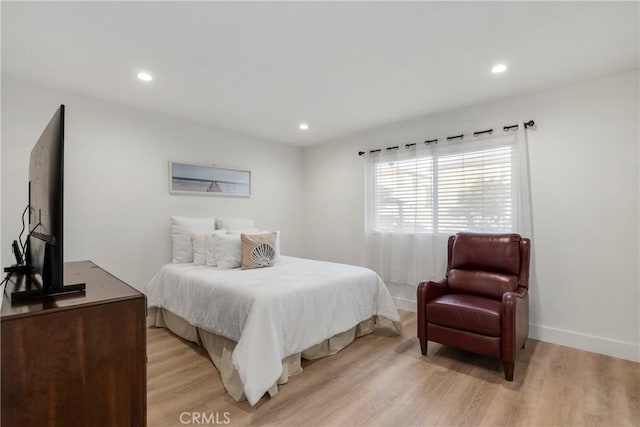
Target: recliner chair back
(485, 265)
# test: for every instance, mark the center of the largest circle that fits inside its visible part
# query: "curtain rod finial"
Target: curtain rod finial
(360, 153)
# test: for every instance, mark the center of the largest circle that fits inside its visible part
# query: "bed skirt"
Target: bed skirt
(220, 348)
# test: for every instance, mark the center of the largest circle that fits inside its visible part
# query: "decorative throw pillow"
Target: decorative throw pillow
(181, 230)
(258, 250)
(199, 251)
(210, 247)
(227, 250)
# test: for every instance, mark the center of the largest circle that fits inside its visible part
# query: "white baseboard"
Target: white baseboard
(595, 344)
(607, 346)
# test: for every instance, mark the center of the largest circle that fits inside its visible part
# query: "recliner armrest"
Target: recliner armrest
(508, 297)
(515, 321)
(427, 291)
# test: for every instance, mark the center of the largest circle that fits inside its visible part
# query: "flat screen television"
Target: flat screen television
(44, 247)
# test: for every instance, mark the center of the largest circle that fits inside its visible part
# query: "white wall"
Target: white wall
(117, 204)
(585, 184)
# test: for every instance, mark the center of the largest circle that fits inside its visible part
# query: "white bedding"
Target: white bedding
(271, 312)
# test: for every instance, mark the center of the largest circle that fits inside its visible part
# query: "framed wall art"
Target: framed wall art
(186, 178)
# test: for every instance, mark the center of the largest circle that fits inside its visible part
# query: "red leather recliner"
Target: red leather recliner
(482, 305)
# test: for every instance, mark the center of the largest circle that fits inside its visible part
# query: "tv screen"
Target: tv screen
(44, 269)
(46, 174)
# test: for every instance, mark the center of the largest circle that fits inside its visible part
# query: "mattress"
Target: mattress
(271, 313)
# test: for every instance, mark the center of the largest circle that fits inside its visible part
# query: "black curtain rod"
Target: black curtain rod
(528, 124)
(480, 132)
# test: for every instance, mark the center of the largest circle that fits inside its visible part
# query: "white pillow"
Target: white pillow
(181, 230)
(228, 247)
(210, 248)
(228, 250)
(235, 224)
(199, 252)
(277, 258)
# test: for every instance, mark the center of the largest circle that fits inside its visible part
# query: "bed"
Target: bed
(257, 324)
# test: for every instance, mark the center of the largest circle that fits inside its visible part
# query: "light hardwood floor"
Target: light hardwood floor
(383, 380)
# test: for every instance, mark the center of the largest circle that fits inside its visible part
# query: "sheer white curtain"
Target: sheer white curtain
(401, 245)
(417, 197)
(522, 173)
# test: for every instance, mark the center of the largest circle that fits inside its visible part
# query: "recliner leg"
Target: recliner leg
(423, 346)
(508, 370)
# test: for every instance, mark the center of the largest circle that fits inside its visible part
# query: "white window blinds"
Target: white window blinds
(404, 196)
(474, 191)
(466, 188)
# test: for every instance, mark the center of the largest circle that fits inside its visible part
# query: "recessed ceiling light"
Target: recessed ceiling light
(145, 77)
(303, 126)
(499, 68)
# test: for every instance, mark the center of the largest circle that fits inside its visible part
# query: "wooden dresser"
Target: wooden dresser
(75, 360)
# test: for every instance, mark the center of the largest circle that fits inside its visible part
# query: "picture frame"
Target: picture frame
(210, 180)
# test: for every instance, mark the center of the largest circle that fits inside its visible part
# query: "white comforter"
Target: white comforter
(271, 312)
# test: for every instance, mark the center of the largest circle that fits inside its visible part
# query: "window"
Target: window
(444, 191)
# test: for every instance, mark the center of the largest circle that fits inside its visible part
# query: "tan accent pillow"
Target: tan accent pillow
(258, 250)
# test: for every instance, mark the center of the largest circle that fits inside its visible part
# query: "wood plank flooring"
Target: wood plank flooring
(383, 380)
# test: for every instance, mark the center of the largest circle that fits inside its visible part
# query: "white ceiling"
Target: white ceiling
(262, 68)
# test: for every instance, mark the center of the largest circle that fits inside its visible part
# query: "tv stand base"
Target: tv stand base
(32, 294)
(17, 269)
